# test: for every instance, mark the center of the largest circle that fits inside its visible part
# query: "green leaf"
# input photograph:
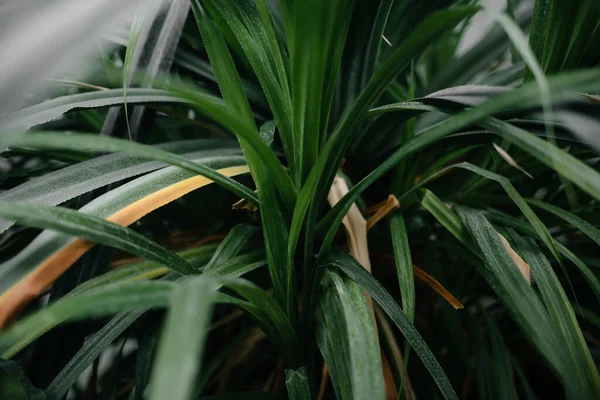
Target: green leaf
(49, 110)
(366, 39)
(275, 48)
(316, 39)
(227, 77)
(445, 159)
(324, 170)
(107, 300)
(273, 222)
(267, 132)
(49, 242)
(247, 134)
(239, 265)
(404, 269)
(588, 275)
(231, 245)
(533, 219)
(568, 166)
(274, 321)
(446, 217)
(136, 27)
(562, 34)
(144, 270)
(477, 59)
(585, 227)
(94, 346)
(41, 323)
(404, 266)
(366, 281)
(64, 184)
(49, 140)
(252, 31)
(296, 382)
(582, 380)
(181, 344)
(503, 382)
(333, 346)
(95, 229)
(358, 342)
(519, 41)
(523, 304)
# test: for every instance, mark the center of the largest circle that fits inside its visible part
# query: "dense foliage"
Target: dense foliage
(394, 214)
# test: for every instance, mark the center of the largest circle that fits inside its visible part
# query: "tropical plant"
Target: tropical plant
(471, 170)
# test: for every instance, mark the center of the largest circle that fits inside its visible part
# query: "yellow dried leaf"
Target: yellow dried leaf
(519, 262)
(27, 289)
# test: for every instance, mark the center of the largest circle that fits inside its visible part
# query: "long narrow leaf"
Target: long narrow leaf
(77, 142)
(357, 273)
(95, 229)
(35, 115)
(582, 380)
(181, 344)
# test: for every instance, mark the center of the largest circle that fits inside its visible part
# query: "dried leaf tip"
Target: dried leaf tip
(382, 210)
(519, 262)
(510, 160)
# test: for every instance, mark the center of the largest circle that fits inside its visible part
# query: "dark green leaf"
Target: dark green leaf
(231, 245)
(107, 300)
(591, 231)
(582, 380)
(93, 347)
(95, 229)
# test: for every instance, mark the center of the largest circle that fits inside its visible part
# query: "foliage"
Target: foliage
(124, 274)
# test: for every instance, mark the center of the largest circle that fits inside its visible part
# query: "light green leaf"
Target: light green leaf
(48, 140)
(134, 34)
(358, 338)
(181, 344)
(49, 110)
(366, 281)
